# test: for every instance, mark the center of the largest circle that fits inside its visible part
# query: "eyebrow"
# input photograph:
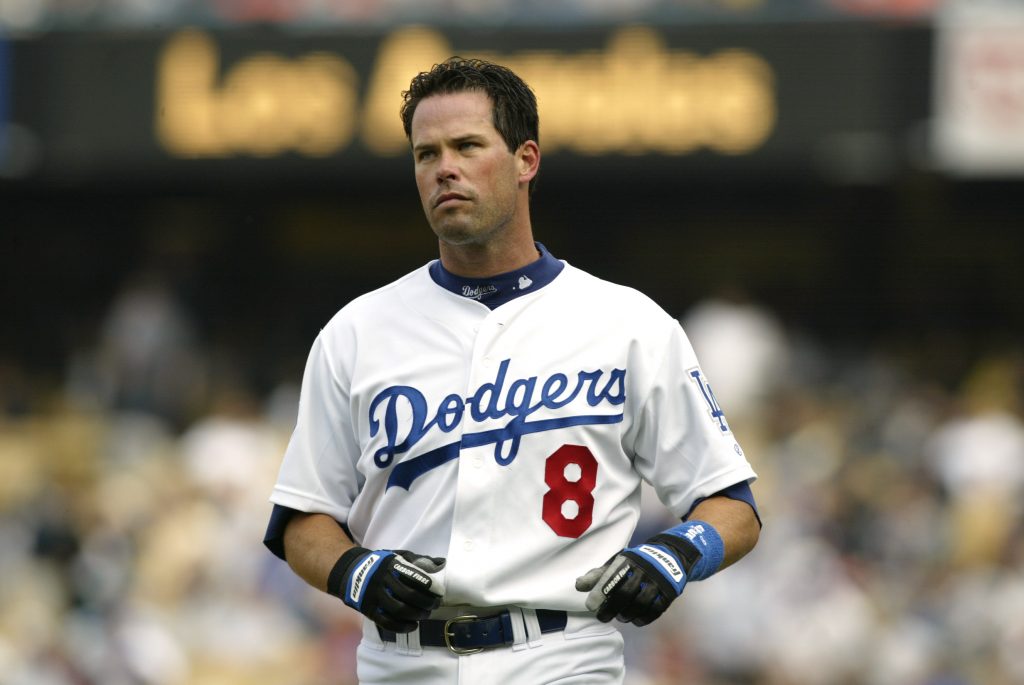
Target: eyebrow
(468, 137)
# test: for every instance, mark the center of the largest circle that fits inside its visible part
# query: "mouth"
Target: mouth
(445, 198)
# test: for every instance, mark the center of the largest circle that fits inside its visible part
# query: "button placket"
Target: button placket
(471, 524)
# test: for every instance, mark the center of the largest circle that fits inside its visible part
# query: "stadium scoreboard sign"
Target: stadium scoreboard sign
(256, 103)
(636, 96)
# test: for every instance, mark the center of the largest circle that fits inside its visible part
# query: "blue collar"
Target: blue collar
(497, 290)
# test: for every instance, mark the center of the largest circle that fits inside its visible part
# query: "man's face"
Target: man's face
(467, 178)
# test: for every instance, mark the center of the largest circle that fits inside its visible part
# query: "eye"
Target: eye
(468, 145)
(424, 155)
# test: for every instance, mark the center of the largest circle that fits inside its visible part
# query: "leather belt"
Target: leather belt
(472, 634)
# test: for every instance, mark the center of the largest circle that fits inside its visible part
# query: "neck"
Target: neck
(481, 260)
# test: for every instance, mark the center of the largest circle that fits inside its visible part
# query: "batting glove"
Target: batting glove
(394, 589)
(639, 583)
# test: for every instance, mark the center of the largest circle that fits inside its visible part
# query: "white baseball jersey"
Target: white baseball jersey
(510, 441)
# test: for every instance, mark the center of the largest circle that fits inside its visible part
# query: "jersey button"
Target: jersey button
(467, 545)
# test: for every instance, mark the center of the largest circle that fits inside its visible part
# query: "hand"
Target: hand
(639, 583)
(630, 588)
(394, 589)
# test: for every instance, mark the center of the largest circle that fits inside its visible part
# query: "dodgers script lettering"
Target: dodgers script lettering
(517, 398)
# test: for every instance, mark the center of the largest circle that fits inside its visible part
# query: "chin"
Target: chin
(458, 235)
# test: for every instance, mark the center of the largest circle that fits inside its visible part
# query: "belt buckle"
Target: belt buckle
(448, 635)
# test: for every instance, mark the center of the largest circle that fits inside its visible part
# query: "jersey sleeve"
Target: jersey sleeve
(318, 473)
(683, 445)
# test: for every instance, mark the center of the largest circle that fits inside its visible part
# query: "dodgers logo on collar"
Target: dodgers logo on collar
(517, 398)
(478, 292)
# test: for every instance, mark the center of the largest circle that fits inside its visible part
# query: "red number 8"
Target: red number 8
(562, 490)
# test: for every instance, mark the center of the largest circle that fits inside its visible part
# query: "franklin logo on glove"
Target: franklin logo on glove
(665, 560)
(355, 594)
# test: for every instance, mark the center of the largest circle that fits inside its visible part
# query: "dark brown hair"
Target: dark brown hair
(513, 104)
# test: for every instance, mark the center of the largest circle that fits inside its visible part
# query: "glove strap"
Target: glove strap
(661, 561)
(336, 579)
(700, 547)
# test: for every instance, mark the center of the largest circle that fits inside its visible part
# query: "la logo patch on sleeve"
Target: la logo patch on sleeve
(714, 409)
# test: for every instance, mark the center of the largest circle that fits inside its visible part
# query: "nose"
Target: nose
(447, 169)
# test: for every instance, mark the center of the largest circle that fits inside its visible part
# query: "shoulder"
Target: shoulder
(611, 299)
(376, 310)
(364, 319)
(377, 305)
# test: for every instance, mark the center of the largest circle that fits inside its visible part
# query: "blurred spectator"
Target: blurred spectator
(978, 456)
(741, 347)
(25, 14)
(148, 358)
(887, 8)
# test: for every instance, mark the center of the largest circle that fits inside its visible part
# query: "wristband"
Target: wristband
(700, 536)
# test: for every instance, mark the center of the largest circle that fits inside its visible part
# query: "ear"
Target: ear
(528, 160)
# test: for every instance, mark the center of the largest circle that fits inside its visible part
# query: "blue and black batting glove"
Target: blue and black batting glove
(639, 583)
(393, 588)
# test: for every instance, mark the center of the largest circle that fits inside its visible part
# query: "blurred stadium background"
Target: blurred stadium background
(828, 193)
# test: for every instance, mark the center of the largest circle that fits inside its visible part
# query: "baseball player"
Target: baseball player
(466, 466)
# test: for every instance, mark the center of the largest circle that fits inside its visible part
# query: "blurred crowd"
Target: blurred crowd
(75, 14)
(133, 500)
